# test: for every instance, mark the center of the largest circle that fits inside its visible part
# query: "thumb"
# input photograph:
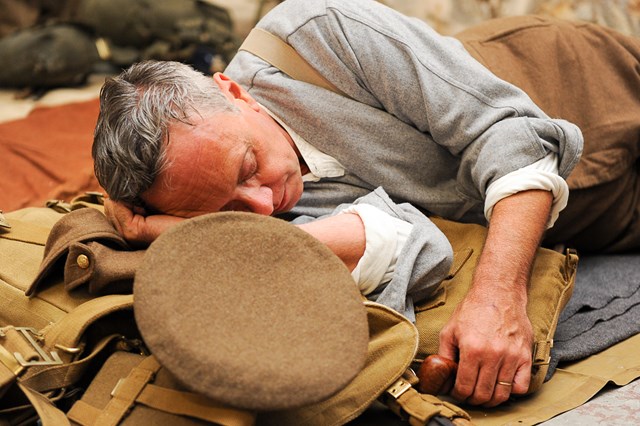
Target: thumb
(522, 379)
(448, 347)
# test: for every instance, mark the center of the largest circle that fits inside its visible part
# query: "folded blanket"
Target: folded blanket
(604, 308)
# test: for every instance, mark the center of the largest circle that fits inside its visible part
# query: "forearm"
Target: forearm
(515, 233)
(344, 235)
(490, 332)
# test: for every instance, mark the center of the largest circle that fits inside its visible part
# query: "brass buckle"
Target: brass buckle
(398, 388)
(51, 358)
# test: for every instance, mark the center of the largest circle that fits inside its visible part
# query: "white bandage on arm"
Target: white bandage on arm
(542, 174)
(385, 237)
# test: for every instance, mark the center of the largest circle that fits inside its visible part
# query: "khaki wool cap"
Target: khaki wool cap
(250, 311)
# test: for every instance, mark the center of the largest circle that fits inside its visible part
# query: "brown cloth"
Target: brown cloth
(589, 75)
(47, 155)
(93, 253)
(250, 311)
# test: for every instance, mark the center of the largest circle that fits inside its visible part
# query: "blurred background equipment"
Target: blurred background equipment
(50, 44)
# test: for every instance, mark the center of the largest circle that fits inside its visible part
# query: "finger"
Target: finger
(503, 386)
(486, 382)
(522, 378)
(447, 348)
(467, 377)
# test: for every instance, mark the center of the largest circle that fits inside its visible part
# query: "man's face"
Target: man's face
(227, 161)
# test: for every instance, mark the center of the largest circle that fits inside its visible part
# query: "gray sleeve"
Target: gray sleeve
(423, 263)
(401, 65)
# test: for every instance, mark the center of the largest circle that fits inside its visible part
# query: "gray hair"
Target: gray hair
(136, 108)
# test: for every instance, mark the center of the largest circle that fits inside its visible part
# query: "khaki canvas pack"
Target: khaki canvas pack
(74, 355)
(66, 342)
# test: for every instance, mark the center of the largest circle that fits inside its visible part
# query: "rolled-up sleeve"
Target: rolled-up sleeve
(422, 262)
(403, 66)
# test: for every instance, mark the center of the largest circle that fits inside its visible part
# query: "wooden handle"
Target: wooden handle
(437, 375)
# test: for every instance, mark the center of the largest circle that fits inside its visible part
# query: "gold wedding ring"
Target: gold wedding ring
(505, 383)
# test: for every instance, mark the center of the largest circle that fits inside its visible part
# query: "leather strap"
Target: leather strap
(278, 53)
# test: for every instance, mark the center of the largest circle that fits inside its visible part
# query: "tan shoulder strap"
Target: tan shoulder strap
(281, 55)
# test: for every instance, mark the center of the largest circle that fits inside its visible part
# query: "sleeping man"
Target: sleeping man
(422, 128)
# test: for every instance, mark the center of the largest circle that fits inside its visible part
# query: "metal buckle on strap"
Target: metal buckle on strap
(398, 388)
(116, 388)
(3, 221)
(536, 356)
(51, 358)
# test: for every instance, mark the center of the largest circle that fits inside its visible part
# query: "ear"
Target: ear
(233, 91)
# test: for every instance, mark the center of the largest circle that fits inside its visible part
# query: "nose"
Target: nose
(258, 200)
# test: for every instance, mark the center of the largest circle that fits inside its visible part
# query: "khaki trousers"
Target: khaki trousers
(589, 75)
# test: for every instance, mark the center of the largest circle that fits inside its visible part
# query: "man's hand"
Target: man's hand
(493, 337)
(134, 225)
(489, 333)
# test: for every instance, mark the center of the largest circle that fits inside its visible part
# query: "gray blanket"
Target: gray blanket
(604, 308)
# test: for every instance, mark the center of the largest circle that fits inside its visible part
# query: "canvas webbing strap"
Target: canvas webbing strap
(64, 375)
(126, 392)
(419, 408)
(25, 232)
(9, 369)
(135, 388)
(193, 405)
(63, 338)
(68, 330)
(58, 376)
(49, 414)
(280, 54)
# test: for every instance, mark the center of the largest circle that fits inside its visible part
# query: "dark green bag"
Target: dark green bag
(50, 56)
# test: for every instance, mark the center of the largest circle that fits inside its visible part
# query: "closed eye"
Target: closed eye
(249, 167)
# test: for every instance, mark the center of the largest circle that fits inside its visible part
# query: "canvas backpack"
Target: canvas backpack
(61, 344)
(75, 340)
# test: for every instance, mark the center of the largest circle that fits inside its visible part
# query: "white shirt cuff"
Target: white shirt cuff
(385, 237)
(542, 174)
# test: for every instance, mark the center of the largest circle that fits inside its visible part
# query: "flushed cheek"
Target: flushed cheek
(293, 193)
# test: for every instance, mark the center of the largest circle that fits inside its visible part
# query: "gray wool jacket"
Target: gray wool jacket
(422, 119)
